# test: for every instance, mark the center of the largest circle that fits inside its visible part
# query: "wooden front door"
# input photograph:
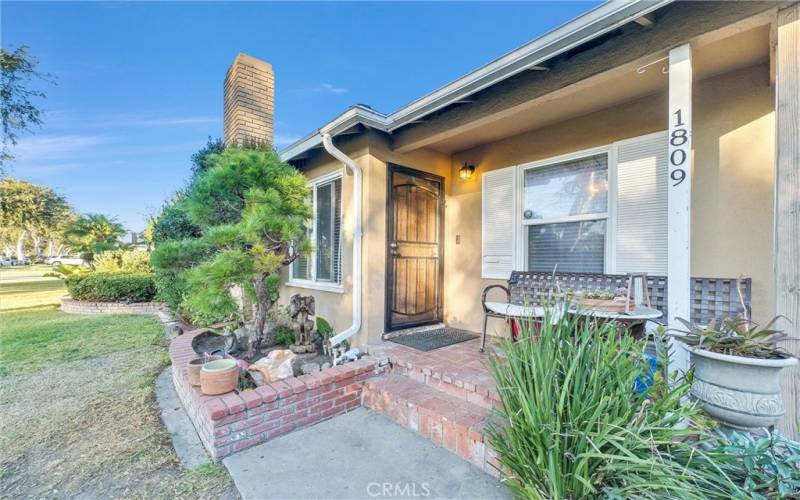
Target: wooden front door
(415, 229)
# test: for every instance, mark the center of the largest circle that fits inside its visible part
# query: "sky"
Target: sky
(138, 86)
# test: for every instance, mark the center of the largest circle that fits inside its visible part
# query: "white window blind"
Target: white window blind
(499, 227)
(569, 247)
(325, 263)
(641, 208)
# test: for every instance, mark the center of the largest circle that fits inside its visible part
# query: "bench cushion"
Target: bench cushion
(514, 310)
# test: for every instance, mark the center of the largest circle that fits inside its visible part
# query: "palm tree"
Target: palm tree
(93, 233)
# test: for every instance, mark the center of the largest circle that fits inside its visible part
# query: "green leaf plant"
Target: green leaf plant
(735, 337)
(252, 209)
(571, 425)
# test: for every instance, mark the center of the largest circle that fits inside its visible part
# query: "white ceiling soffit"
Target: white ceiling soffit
(596, 22)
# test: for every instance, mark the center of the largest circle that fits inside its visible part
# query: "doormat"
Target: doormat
(429, 340)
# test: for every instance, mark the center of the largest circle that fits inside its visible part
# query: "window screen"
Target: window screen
(565, 209)
(325, 235)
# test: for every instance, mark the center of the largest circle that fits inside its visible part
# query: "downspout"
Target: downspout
(340, 337)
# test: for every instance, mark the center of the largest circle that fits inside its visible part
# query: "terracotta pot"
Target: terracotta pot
(193, 369)
(219, 376)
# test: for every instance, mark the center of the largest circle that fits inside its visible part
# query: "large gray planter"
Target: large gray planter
(739, 392)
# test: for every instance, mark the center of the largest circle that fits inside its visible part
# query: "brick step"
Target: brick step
(463, 381)
(446, 420)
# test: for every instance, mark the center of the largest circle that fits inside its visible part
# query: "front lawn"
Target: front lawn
(22, 287)
(77, 402)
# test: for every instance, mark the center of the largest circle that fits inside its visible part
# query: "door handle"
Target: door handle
(392, 245)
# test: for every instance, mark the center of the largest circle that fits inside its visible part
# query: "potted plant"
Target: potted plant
(737, 367)
(603, 300)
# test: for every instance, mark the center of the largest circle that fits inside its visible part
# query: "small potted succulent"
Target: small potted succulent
(603, 300)
(737, 366)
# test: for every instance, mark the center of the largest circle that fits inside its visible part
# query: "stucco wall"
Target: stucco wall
(731, 192)
(732, 195)
(370, 151)
(335, 307)
(375, 221)
(464, 217)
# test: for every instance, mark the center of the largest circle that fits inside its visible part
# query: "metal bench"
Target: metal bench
(527, 291)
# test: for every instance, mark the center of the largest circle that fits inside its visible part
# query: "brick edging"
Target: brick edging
(232, 422)
(72, 306)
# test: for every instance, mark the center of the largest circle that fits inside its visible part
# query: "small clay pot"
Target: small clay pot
(219, 376)
(193, 368)
(193, 371)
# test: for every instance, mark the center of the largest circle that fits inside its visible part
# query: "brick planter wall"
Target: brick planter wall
(233, 422)
(70, 305)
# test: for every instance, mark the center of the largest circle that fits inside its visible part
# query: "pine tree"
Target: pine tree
(252, 209)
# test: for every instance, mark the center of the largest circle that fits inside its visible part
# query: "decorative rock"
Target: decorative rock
(325, 366)
(353, 354)
(302, 348)
(175, 330)
(257, 377)
(277, 365)
(309, 368)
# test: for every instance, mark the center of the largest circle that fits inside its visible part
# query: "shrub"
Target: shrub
(112, 287)
(324, 328)
(279, 314)
(128, 261)
(169, 260)
(571, 424)
(284, 336)
(170, 288)
(765, 466)
(137, 262)
(173, 223)
(208, 309)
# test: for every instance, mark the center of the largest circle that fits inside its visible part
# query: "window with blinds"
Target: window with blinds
(325, 263)
(565, 207)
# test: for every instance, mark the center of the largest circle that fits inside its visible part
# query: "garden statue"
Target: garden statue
(301, 309)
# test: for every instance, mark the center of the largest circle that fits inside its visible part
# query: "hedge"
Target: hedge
(125, 261)
(112, 287)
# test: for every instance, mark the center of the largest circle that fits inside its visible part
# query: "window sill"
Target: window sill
(316, 286)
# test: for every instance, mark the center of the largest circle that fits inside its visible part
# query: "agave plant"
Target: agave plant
(735, 337)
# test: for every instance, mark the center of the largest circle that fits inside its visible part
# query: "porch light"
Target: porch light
(466, 172)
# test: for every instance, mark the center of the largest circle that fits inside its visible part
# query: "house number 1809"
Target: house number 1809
(677, 138)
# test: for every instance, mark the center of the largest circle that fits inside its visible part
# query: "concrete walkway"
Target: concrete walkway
(357, 455)
(187, 443)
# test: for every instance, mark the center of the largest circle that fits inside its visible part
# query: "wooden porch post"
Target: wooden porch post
(679, 196)
(787, 203)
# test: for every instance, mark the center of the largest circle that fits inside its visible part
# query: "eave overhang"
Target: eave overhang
(592, 24)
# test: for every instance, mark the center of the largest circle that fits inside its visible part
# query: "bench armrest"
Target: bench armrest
(486, 292)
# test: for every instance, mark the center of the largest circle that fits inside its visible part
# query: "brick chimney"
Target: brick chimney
(249, 101)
